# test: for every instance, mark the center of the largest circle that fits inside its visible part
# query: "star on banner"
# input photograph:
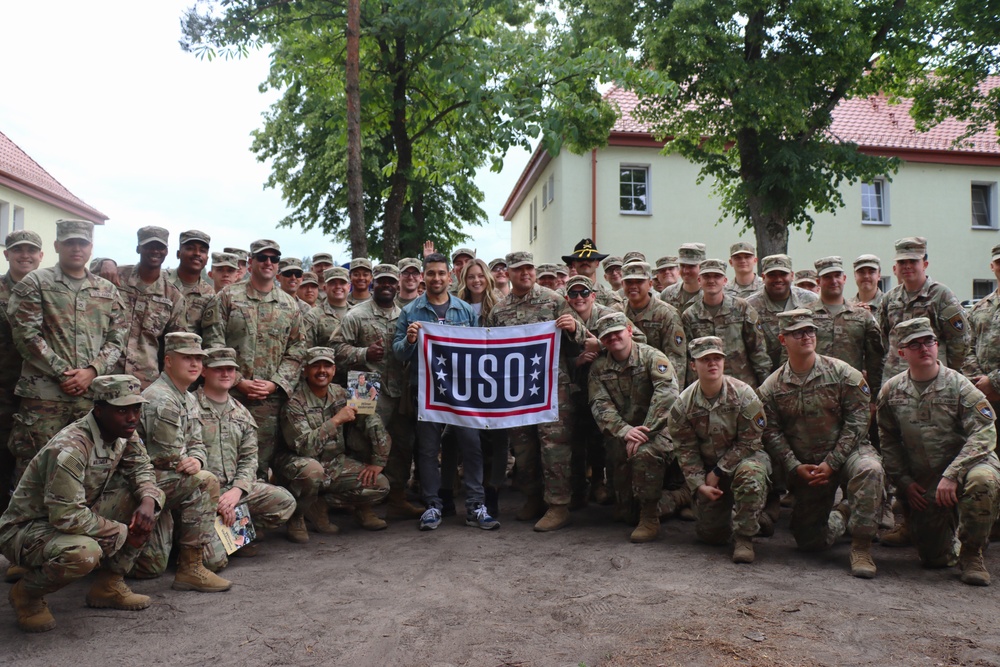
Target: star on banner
(440, 360)
(440, 375)
(441, 388)
(533, 390)
(535, 360)
(535, 374)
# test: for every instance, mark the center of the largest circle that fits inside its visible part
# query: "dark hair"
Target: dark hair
(436, 258)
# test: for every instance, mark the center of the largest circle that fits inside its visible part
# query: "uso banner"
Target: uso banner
(488, 378)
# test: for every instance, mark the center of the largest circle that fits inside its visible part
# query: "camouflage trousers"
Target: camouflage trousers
(639, 478)
(402, 429)
(55, 559)
(266, 413)
(195, 498)
(37, 421)
(8, 408)
(269, 505)
(543, 455)
(933, 530)
(742, 501)
(813, 526)
(337, 481)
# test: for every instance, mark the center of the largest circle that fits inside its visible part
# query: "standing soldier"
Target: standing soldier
(777, 296)
(659, 321)
(224, 272)
(308, 290)
(716, 426)
(584, 260)
(613, 272)
(153, 307)
(817, 429)
(868, 276)
(289, 278)
(667, 272)
(632, 389)
(324, 319)
(939, 441)
(982, 361)
(244, 262)
(264, 326)
(187, 277)
(410, 275)
(743, 259)
(682, 294)
(808, 280)
(321, 261)
(498, 267)
(361, 281)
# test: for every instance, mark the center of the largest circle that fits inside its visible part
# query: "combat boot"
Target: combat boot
(862, 564)
(649, 523)
(742, 549)
(296, 530)
(319, 516)
(973, 568)
(555, 518)
(33, 613)
(14, 573)
(532, 508)
(110, 592)
(601, 495)
(398, 507)
(365, 516)
(192, 575)
(898, 536)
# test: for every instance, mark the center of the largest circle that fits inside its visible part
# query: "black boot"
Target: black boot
(447, 497)
(492, 501)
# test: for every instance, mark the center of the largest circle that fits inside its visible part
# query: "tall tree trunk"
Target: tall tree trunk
(355, 199)
(404, 157)
(770, 226)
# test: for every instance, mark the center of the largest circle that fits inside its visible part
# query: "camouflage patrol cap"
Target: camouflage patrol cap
(314, 354)
(562, 269)
(75, 229)
(911, 247)
(868, 261)
(831, 264)
(806, 276)
(361, 263)
(225, 259)
(152, 234)
(182, 342)
(23, 237)
(95, 264)
(289, 264)
(611, 323)
(195, 235)
(799, 318)
(260, 245)
(239, 252)
(742, 248)
(520, 258)
(612, 262)
(633, 256)
(636, 271)
(995, 252)
(666, 262)
(712, 266)
(706, 345)
(410, 263)
(546, 270)
(219, 357)
(336, 273)
(118, 390)
(579, 280)
(691, 254)
(309, 278)
(462, 251)
(776, 263)
(385, 271)
(322, 258)
(909, 330)
(494, 263)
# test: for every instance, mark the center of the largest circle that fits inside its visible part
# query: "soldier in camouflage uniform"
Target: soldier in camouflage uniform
(682, 294)
(867, 276)
(361, 281)
(498, 267)
(244, 261)
(720, 313)
(230, 436)
(777, 296)
(23, 253)
(807, 279)
(659, 322)
(68, 326)
(938, 442)
(63, 523)
(982, 361)
(584, 260)
(543, 453)
(716, 426)
(321, 261)
(325, 318)
(308, 291)
(817, 429)
(290, 278)
(264, 326)
(547, 277)
(410, 275)
(170, 427)
(668, 271)
(225, 269)
(613, 272)
(153, 307)
(193, 256)
(743, 259)
(322, 460)
(632, 389)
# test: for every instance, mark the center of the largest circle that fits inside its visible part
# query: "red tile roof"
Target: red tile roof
(19, 172)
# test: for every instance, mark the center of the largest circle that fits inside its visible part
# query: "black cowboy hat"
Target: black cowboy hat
(584, 250)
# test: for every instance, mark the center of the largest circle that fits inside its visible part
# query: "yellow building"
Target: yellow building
(30, 198)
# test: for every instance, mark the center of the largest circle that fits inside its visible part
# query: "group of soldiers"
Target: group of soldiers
(145, 405)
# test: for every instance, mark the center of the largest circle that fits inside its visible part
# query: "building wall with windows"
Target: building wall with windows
(19, 211)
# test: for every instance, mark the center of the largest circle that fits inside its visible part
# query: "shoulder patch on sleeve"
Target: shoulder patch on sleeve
(69, 461)
(957, 321)
(984, 408)
(662, 368)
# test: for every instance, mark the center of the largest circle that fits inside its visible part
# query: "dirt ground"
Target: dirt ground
(581, 596)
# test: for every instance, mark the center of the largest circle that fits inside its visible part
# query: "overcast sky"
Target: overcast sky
(102, 97)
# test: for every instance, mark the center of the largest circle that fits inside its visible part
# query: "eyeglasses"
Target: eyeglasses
(263, 259)
(499, 269)
(915, 345)
(579, 293)
(799, 334)
(292, 274)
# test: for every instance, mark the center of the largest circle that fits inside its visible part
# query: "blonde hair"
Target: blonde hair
(492, 294)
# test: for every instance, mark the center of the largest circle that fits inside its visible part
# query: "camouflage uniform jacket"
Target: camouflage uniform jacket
(745, 291)
(767, 312)
(720, 433)
(10, 363)
(822, 418)
(308, 431)
(304, 307)
(872, 305)
(320, 323)
(983, 356)
(170, 425)
(150, 312)
(661, 323)
(230, 438)
(850, 335)
(943, 432)
(609, 298)
(637, 392)
(737, 325)
(938, 304)
(579, 375)
(362, 326)
(264, 328)
(678, 297)
(196, 297)
(352, 301)
(69, 475)
(56, 329)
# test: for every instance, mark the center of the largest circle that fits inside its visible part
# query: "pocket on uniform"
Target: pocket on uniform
(23, 435)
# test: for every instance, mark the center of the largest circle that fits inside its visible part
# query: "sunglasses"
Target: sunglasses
(292, 274)
(579, 293)
(917, 344)
(264, 259)
(799, 334)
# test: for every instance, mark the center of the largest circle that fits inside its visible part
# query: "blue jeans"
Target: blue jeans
(429, 447)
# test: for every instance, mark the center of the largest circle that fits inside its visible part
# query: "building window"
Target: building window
(533, 220)
(875, 202)
(18, 218)
(545, 196)
(885, 283)
(4, 220)
(633, 186)
(984, 205)
(552, 187)
(983, 288)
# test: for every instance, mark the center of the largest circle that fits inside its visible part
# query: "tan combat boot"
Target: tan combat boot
(532, 508)
(742, 549)
(110, 592)
(398, 507)
(192, 575)
(367, 518)
(296, 529)
(319, 517)
(33, 613)
(898, 536)
(973, 568)
(649, 523)
(555, 518)
(862, 564)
